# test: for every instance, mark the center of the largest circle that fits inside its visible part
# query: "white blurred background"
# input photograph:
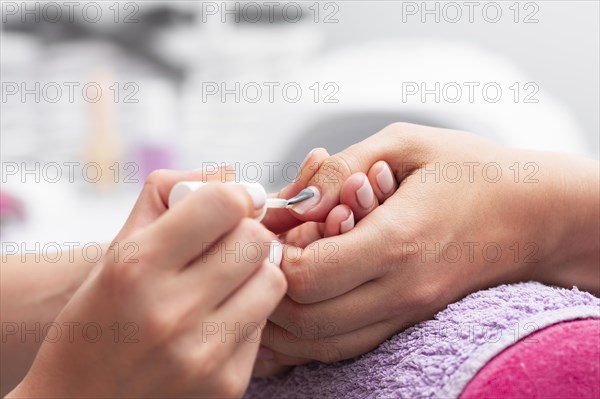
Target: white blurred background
(180, 84)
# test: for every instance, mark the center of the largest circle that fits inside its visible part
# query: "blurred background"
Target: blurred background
(95, 95)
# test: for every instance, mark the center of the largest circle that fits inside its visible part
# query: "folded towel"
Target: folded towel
(437, 358)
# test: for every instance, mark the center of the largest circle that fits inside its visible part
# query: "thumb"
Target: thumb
(401, 145)
(153, 199)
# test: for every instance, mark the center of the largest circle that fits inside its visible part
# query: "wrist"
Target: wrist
(571, 234)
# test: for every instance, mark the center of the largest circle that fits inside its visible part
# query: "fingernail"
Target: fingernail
(347, 224)
(364, 194)
(265, 353)
(305, 206)
(257, 193)
(275, 253)
(303, 164)
(385, 180)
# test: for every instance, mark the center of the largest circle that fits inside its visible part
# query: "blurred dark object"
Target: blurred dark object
(135, 38)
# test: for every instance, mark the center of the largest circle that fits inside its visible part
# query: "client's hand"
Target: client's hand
(360, 194)
(468, 214)
(182, 316)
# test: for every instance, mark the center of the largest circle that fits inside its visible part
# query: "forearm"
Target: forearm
(32, 293)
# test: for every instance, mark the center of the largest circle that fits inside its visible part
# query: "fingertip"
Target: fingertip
(353, 183)
(275, 253)
(317, 207)
(309, 166)
(347, 224)
(357, 192)
(340, 220)
(382, 179)
(365, 196)
(316, 154)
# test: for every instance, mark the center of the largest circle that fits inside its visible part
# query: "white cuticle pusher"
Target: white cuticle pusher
(184, 188)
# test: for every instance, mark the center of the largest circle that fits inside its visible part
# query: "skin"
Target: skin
(173, 290)
(385, 284)
(400, 264)
(55, 285)
(308, 233)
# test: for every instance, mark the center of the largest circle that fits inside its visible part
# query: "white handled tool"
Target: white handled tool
(184, 188)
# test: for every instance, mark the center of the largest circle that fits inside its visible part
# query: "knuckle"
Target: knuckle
(389, 239)
(398, 128)
(301, 283)
(335, 169)
(400, 133)
(427, 296)
(191, 364)
(231, 385)
(181, 359)
(203, 361)
(122, 277)
(160, 321)
(155, 177)
(225, 199)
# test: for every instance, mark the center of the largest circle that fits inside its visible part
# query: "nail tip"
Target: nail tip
(365, 195)
(347, 224)
(385, 180)
(276, 253)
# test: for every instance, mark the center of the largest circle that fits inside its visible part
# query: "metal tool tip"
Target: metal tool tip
(301, 196)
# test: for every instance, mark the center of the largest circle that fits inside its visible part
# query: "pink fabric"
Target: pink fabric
(560, 361)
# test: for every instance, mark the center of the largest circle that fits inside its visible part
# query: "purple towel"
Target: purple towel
(437, 358)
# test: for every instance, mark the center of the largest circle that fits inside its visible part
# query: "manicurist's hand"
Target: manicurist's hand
(181, 315)
(467, 214)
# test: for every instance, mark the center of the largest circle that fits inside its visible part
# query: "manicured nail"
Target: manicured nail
(307, 205)
(257, 193)
(347, 224)
(385, 180)
(364, 194)
(265, 353)
(303, 164)
(275, 253)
